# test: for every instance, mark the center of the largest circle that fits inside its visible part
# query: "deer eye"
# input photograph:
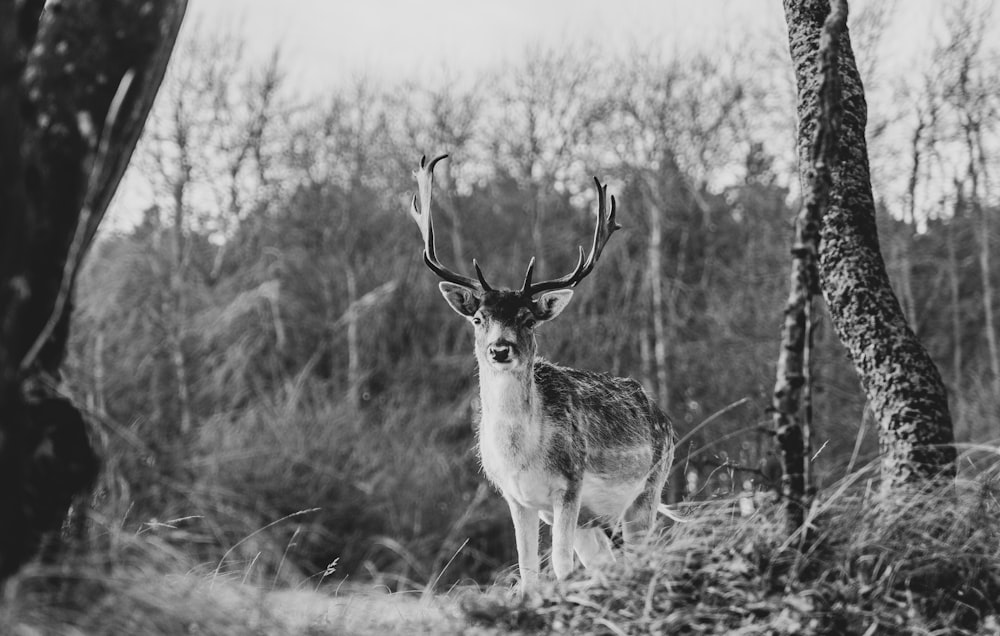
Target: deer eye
(476, 320)
(529, 323)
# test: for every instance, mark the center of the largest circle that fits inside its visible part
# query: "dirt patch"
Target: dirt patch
(362, 611)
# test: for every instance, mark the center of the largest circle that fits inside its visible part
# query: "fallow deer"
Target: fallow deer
(581, 450)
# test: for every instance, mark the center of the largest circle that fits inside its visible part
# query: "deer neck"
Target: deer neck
(507, 396)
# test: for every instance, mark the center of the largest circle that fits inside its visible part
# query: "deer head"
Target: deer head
(505, 319)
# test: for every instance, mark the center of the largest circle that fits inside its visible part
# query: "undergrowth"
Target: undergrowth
(140, 584)
(389, 491)
(136, 585)
(920, 562)
(923, 562)
(914, 563)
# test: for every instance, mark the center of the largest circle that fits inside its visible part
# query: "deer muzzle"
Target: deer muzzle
(502, 352)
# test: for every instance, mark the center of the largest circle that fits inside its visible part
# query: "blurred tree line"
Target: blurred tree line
(262, 338)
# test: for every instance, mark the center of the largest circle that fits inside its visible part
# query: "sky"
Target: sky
(329, 43)
(325, 42)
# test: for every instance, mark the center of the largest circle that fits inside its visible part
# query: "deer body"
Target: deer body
(580, 450)
(558, 425)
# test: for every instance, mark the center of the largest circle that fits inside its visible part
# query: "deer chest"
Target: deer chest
(513, 459)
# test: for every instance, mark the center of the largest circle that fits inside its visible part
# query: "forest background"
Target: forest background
(279, 389)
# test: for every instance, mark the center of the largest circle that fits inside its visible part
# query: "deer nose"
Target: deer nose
(500, 352)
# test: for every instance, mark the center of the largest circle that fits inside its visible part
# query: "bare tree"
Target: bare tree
(924, 121)
(544, 105)
(670, 123)
(79, 82)
(202, 157)
(955, 289)
(902, 384)
(447, 116)
(970, 94)
(335, 154)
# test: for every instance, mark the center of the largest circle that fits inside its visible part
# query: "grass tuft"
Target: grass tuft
(145, 587)
(143, 584)
(925, 562)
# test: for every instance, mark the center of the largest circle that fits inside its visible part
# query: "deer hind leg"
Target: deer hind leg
(639, 519)
(593, 547)
(641, 514)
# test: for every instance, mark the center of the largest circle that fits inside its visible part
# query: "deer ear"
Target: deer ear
(551, 303)
(462, 299)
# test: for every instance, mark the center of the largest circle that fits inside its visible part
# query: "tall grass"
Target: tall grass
(300, 492)
(392, 490)
(922, 562)
(395, 491)
(128, 583)
(138, 583)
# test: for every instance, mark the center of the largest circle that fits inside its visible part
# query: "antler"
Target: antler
(606, 226)
(422, 215)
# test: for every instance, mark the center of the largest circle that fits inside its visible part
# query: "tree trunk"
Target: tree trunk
(989, 319)
(791, 379)
(151, 333)
(972, 137)
(792, 398)
(537, 244)
(903, 243)
(353, 347)
(447, 203)
(655, 272)
(899, 255)
(175, 314)
(955, 281)
(646, 361)
(76, 90)
(903, 386)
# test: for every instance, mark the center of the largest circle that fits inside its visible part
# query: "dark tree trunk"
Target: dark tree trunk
(792, 400)
(955, 281)
(353, 341)
(655, 271)
(174, 301)
(903, 386)
(77, 80)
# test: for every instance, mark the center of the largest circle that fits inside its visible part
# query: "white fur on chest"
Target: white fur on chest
(511, 451)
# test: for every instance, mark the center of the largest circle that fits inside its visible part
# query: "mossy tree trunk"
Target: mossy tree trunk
(902, 384)
(77, 80)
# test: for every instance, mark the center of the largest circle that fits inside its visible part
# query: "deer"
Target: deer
(581, 450)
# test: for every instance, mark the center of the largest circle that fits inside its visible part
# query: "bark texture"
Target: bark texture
(903, 386)
(77, 80)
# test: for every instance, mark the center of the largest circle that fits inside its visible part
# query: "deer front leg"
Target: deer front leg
(526, 535)
(566, 514)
